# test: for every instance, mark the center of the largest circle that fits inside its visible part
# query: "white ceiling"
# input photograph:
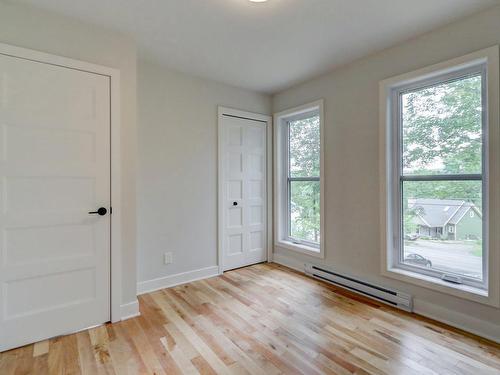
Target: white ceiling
(264, 46)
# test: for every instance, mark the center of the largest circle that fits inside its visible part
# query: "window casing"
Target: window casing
(397, 170)
(405, 178)
(298, 179)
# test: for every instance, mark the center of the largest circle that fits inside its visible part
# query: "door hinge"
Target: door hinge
(110, 210)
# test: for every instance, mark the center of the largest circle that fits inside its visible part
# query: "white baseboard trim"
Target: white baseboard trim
(129, 310)
(177, 279)
(289, 262)
(458, 320)
(455, 319)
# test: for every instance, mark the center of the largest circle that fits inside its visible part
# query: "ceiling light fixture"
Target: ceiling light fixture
(258, 1)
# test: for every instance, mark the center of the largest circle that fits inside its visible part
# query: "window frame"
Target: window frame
(289, 179)
(283, 180)
(397, 92)
(487, 292)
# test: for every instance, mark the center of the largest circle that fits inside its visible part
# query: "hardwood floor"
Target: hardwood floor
(263, 319)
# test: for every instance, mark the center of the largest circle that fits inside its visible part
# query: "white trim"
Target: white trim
(129, 310)
(458, 320)
(269, 166)
(278, 180)
(425, 221)
(301, 248)
(458, 290)
(491, 58)
(432, 311)
(149, 286)
(454, 213)
(289, 262)
(115, 199)
(47, 58)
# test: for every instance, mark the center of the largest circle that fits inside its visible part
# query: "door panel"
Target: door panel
(245, 194)
(54, 169)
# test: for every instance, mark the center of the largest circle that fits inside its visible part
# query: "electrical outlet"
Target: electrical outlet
(167, 258)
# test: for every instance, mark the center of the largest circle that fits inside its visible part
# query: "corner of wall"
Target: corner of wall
(129, 310)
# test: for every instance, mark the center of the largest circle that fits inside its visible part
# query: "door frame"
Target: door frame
(220, 182)
(115, 175)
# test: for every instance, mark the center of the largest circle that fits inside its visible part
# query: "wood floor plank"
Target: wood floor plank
(69, 346)
(24, 360)
(86, 353)
(152, 322)
(55, 359)
(263, 319)
(99, 340)
(8, 361)
(143, 347)
(41, 348)
(181, 359)
(196, 342)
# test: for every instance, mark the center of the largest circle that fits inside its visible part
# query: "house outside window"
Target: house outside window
(299, 190)
(437, 125)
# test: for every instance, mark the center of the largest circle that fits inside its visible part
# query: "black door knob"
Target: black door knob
(101, 211)
(235, 203)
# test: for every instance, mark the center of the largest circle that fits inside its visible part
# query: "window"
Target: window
(303, 179)
(437, 162)
(440, 126)
(299, 177)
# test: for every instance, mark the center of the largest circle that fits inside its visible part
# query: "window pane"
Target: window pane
(304, 210)
(442, 128)
(443, 226)
(304, 147)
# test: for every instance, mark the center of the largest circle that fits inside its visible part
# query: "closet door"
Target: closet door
(245, 194)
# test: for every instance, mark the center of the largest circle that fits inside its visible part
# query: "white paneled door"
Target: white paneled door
(54, 171)
(244, 172)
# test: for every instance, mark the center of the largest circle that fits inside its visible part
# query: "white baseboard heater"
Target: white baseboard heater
(390, 297)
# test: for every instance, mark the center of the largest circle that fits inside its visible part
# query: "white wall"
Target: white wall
(177, 175)
(39, 30)
(352, 154)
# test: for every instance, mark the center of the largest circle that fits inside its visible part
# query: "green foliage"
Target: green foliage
(305, 210)
(305, 162)
(305, 147)
(408, 220)
(442, 128)
(442, 134)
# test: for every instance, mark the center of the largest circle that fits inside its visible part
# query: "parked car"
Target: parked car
(411, 237)
(418, 260)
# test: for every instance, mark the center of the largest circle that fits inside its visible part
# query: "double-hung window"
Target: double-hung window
(299, 179)
(438, 171)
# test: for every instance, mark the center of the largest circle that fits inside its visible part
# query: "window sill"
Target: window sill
(304, 249)
(458, 290)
